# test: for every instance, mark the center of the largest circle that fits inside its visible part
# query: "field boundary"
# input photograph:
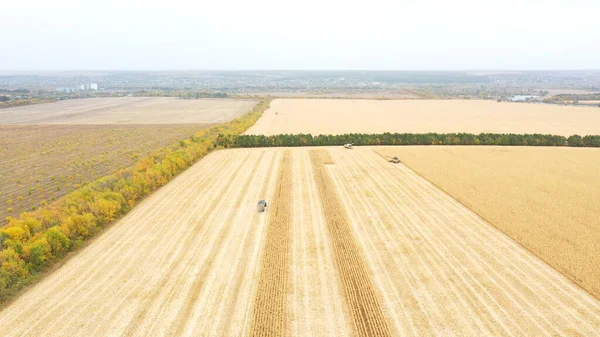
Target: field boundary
(368, 317)
(32, 243)
(269, 314)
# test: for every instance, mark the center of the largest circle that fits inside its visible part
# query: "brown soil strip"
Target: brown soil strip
(367, 314)
(269, 317)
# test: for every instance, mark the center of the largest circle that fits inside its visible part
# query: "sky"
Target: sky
(300, 35)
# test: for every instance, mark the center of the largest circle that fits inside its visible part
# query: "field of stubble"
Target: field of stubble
(350, 245)
(339, 116)
(128, 110)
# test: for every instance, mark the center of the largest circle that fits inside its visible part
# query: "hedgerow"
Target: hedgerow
(235, 140)
(35, 240)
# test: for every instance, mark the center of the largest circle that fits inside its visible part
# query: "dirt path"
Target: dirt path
(371, 248)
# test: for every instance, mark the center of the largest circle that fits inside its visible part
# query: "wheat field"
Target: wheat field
(350, 245)
(547, 199)
(339, 116)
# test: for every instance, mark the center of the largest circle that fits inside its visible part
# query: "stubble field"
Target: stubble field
(128, 110)
(339, 116)
(47, 150)
(350, 245)
(39, 163)
(547, 199)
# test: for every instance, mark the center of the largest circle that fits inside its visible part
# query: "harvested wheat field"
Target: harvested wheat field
(39, 163)
(547, 199)
(339, 116)
(128, 110)
(349, 245)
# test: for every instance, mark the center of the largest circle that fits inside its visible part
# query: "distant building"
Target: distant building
(66, 89)
(523, 98)
(80, 87)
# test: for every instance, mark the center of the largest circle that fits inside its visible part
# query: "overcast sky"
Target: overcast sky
(302, 34)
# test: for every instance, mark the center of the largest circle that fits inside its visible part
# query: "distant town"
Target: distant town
(21, 88)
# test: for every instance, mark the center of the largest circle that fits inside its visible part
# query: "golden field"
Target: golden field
(546, 199)
(339, 116)
(350, 245)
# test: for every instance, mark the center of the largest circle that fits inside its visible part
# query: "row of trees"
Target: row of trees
(574, 97)
(34, 240)
(185, 94)
(8, 103)
(231, 140)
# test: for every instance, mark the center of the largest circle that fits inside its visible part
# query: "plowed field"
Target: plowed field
(349, 245)
(339, 116)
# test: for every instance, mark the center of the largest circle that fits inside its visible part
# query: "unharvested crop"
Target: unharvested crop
(269, 317)
(547, 199)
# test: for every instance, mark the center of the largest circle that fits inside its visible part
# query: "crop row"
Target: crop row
(367, 313)
(269, 317)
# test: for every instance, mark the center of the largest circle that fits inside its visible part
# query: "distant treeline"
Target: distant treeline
(574, 97)
(232, 140)
(6, 102)
(185, 94)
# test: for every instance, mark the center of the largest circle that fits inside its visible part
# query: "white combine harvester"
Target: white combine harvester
(348, 146)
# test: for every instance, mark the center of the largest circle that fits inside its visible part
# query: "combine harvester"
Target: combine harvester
(348, 146)
(394, 160)
(262, 206)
